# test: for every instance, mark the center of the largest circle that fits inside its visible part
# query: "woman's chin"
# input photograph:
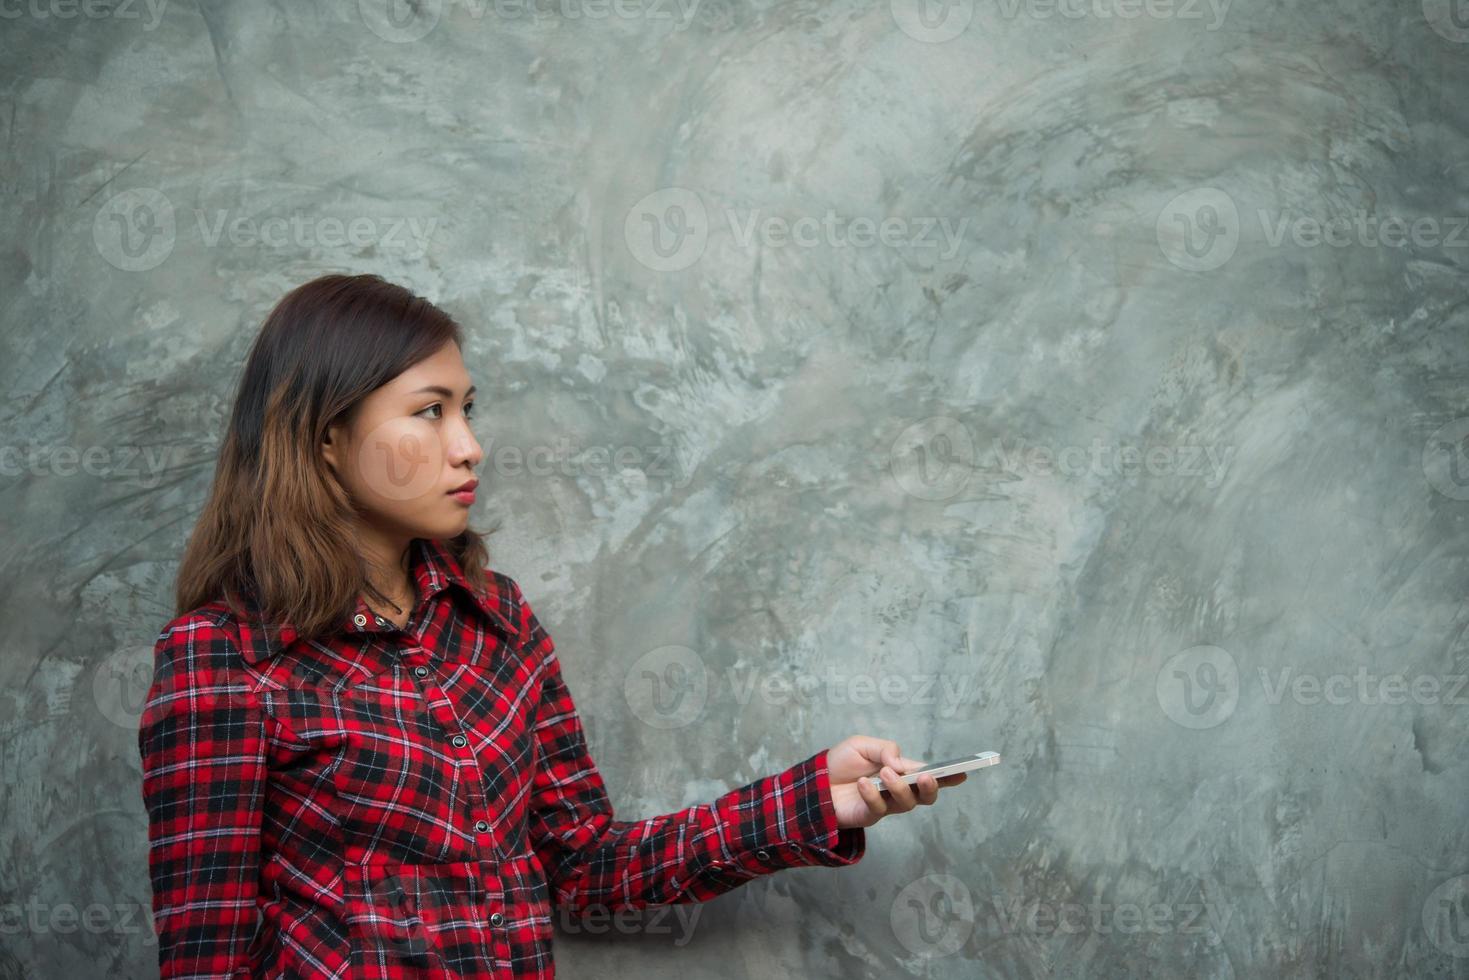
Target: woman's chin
(450, 527)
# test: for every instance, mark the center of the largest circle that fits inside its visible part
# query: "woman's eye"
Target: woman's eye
(439, 408)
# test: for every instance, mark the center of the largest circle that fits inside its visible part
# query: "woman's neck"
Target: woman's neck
(386, 561)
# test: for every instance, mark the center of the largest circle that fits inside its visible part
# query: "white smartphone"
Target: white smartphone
(940, 769)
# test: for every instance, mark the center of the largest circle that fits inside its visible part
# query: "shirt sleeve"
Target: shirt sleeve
(201, 737)
(594, 861)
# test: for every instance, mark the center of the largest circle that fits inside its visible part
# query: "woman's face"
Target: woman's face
(408, 447)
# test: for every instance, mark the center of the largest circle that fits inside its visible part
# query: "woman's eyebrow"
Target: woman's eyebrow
(441, 390)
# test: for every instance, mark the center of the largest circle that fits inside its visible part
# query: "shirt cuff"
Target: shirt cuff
(786, 820)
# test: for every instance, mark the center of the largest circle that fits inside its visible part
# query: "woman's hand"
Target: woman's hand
(859, 803)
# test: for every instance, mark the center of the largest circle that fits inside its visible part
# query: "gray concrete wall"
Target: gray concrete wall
(1084, 383)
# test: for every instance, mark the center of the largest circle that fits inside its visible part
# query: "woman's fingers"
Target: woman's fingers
(892, 757)
(873, 797)
(903, 799)
(896, 796)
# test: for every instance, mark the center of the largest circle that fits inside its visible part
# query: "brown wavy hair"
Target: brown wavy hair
(278, 527)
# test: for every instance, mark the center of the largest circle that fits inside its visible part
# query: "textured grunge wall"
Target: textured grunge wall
(1081, 380)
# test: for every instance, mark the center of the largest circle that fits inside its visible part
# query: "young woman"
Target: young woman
(360, 758)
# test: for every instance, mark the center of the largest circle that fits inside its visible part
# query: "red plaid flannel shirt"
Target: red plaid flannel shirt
(393, 803)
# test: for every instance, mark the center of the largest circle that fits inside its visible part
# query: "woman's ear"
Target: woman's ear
(332, 447)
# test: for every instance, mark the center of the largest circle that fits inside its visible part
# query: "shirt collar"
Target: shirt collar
(433, 569)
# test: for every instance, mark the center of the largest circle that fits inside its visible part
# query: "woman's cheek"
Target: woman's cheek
(401, 460)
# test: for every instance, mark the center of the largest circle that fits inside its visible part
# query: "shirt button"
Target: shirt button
(460, 740)
(763, 854)
(497, 919)
(360, 619)
(482, 825)
(421, 671)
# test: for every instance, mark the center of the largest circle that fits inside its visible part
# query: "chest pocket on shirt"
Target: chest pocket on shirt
(375, 747)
